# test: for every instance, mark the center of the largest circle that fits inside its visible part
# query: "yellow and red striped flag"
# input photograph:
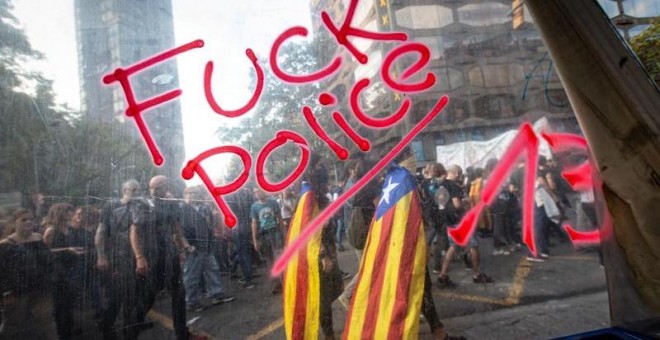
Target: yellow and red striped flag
(387, 299)
(302, 291)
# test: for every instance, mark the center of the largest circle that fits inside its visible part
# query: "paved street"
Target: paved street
(564, 295)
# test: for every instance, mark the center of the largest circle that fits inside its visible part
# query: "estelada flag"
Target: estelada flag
(387, 300)
(302, 291)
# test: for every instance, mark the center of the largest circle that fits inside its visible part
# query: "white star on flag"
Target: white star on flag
(387, 190)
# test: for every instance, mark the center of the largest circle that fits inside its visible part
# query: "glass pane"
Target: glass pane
(99, 99)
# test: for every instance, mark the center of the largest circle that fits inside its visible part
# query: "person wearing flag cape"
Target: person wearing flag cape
(312, 280)
(393, 285)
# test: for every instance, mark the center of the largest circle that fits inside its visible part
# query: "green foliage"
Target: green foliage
(52, 150)
(280, 108)
(647, 47)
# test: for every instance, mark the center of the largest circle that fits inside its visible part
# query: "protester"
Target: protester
(287, 204)
(452, 213)
(484, 225)
(83, 227)
(24, 283)
(506, 215)
(116, 262)
(361, 211)
(322, 278)
(267, 231)
(546, 213)
(67, 274)
(240, 203)
(200, 263)
(431, 213)
(338, 219)
(156, 258)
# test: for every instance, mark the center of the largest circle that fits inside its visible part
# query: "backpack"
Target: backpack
(358, 228)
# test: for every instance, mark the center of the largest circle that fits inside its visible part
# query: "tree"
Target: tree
(25, 120)
(53, 150)
(280, 108)
(647, 47)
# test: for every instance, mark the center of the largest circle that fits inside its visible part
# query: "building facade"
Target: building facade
(119, 33)
(488, 58)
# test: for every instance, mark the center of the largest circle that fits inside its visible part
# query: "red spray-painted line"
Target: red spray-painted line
(194, 166)
(425, 56)
(378, 123)
(362, 143)
(327, 213)
(281, 138)
(340, 151)
(582, 237)
(208, 73)
(525, 140)
(563, 141)
(580, 178)
(135, 109)
(296, 79)
(341, 34)
(327, 99)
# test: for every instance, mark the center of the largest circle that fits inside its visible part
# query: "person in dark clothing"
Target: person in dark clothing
(267, 231)
(431, 212)
(331, 282)
(66, 257)
(24, 264)
(505, 212)
(83, 225)
(156, 259)
(196, 224)
(452, 212)
(363, 200)
(116, 261)
(406, 159)
(240, 203)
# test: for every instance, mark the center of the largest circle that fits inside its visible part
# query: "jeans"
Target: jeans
(220, 250)
(243, 255)
(341, 231)
(196, 265)
(501, 237)
(541, 224)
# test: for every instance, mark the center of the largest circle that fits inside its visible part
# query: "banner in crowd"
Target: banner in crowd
(477, 153)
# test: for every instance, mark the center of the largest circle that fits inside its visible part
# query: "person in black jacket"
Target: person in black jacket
(197, 227)
(505, 212)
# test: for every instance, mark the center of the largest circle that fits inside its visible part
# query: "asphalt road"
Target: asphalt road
(528, 300)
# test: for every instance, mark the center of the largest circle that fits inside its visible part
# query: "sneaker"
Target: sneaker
(482, 278)
(436, 271)
(196, 307)
(535, 259)
(218, 299)
(445, 282)
(544, 256)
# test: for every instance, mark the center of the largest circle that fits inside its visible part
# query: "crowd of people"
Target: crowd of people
(116, 259)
